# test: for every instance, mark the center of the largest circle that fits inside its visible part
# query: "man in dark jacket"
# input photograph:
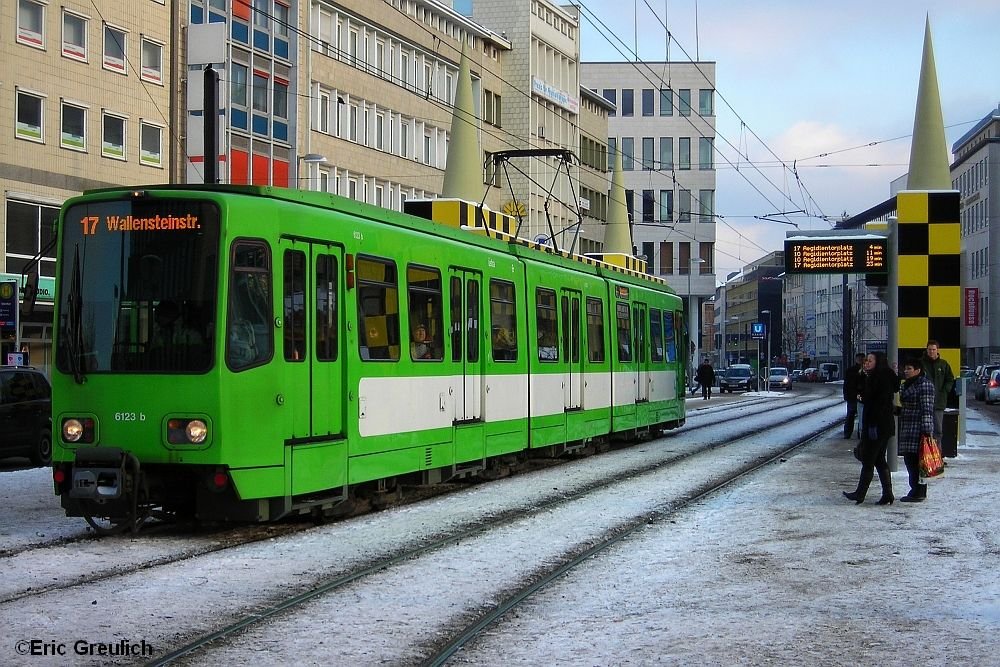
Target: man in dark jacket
(706, 378)
(938, 371)
(854, 383)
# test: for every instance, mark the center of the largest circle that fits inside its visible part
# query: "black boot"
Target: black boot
(916, 495)
(885, 479)
(855, 496)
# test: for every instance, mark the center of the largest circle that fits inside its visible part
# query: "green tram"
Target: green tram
(245, 353)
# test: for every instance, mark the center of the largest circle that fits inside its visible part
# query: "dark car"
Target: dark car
(25, 414)
(738, 376)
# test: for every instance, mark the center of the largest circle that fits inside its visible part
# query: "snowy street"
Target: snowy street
(777, 568)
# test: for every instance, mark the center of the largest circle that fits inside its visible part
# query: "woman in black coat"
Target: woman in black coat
(878, 424)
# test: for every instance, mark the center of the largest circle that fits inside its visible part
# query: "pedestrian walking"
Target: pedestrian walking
(877, 425)
(854, 380)
(706, 378)
(938, 371)
(917, 420)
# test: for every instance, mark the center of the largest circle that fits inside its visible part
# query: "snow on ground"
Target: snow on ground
(780, 569)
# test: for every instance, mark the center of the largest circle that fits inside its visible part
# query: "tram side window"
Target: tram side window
(669, 336)
(378, 309)
(456, 319)
(503, 320)
(624, 331)
(327, 320)
(548, 328)
(249, 334)
(426, 329)
(595, 330)
(640, 335)
(655, 336)
(294, 300)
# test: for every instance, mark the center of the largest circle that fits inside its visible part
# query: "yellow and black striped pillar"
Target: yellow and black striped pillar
(929, 296)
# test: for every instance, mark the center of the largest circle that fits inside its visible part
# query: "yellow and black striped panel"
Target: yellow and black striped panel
(459, 214)
(930, 277)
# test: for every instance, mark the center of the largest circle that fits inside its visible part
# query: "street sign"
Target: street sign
(8, 305)
(865, 253)
(758, 331)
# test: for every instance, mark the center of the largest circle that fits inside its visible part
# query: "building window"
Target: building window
(74, 127)
(666, 153)
(684, 153)
(281, 20)
(706, 205)
(260, 14)
(628, 153)
(29, 116)
(74, 36)
(706, 153)
(666, 206)
(30, 227)
(706, 102)
(323, 113)
(684, 102)
(380, 131)
(152, 61)
(647, 102)
(30, 23)
(404, 137)
(611, 95)
(647, 153)
(238, 84)
(259, 93)
(666, 257)
(666, 102)
(150, 148)
(707, 253)
(648, 206)
(353, 120)
(113, 137)
(627, 102)
(684, 205)
(114, 49)
(280, 99)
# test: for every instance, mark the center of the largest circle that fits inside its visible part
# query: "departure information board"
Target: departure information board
(836, 255)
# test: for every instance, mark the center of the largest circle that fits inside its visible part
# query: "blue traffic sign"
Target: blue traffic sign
(757, 331)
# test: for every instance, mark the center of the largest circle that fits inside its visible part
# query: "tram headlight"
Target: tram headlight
(181, 431)
(196, 431)
(79, 430)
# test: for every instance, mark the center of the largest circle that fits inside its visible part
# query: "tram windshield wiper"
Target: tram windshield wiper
(74, 323)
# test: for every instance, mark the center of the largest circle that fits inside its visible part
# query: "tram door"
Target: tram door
(311, 322)
(573, 378)
(639, 312)
(466, 339)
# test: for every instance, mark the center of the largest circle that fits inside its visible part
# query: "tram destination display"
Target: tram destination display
(866, 254)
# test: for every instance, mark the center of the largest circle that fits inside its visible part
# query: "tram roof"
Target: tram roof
(519, 247)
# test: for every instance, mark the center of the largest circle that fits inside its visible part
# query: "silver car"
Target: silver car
(779, 378)
(991, 390)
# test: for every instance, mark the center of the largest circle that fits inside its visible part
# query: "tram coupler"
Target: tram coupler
(103, 482)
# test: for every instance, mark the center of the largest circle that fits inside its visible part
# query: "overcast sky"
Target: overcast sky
(817, 82)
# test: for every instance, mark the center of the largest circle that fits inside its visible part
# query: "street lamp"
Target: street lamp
(310, 158)
(768, 343)
(692, 314)
(734, 318)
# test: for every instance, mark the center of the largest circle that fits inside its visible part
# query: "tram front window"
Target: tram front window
(138, 286)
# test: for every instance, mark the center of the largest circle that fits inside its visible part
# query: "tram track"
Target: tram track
(497, 523)
(248, 535)
(465, 635)
(229, 539)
